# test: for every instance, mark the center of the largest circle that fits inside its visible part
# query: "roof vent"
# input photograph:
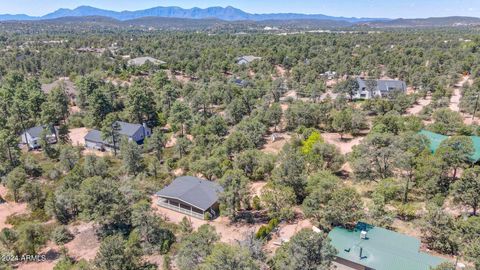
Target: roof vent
(363, 235)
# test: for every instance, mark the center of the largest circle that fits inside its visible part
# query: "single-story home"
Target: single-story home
(368, 247)
(133, 132)
(247, 59)
(191, 196)
(381, 89)
(31, 136)
(140, 61)
(436, 139)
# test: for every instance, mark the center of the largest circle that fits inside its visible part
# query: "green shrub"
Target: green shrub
(406, 212)
(273, 223)
(207, 216)
(54, 174)
(31, 166)
(262, 232)
(38, 215)
(256, 203)
(61, 235)
(76, 120)
(389, 189)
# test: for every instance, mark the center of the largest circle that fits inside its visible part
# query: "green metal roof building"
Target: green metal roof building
(436, 139)
(369, 247)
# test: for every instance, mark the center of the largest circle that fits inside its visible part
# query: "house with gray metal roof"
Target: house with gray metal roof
(368, 89)
(370, 247)
(191, 196)
(133, 132)
(247, 59)
(31, 137)
(140, 61)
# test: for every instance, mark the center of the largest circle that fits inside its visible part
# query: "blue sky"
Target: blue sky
(348, 8)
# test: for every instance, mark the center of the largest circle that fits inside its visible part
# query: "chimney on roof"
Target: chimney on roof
(363, 235)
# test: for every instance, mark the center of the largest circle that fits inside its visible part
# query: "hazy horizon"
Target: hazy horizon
(346, 8)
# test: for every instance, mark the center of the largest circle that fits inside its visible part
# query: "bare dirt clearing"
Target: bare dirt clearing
(85, 244)
(457, 95)
(329, 94)
(9, 208)
(275, 146)
(51, 252)
(286, 231)
(292, 94)
(77, 136)
(418, 107)
(171, 142)
(74, 110)
(46, 265)
(346, 145)
(154, 259)
(256, 188)
(280, 70)
(178, 76)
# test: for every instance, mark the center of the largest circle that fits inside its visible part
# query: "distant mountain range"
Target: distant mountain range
(223, 13)
(177, 17)
(454, 21)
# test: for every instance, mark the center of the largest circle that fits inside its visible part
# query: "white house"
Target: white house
(247, 59)
(31, 136)
(133, 132)
(380, 88)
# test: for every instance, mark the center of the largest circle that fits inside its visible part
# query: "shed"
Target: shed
(370, 247)
(192, 196)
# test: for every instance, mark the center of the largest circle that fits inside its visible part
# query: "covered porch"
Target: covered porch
(181, 207)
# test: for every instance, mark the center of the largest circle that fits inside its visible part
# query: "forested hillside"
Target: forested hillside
(282, 135)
